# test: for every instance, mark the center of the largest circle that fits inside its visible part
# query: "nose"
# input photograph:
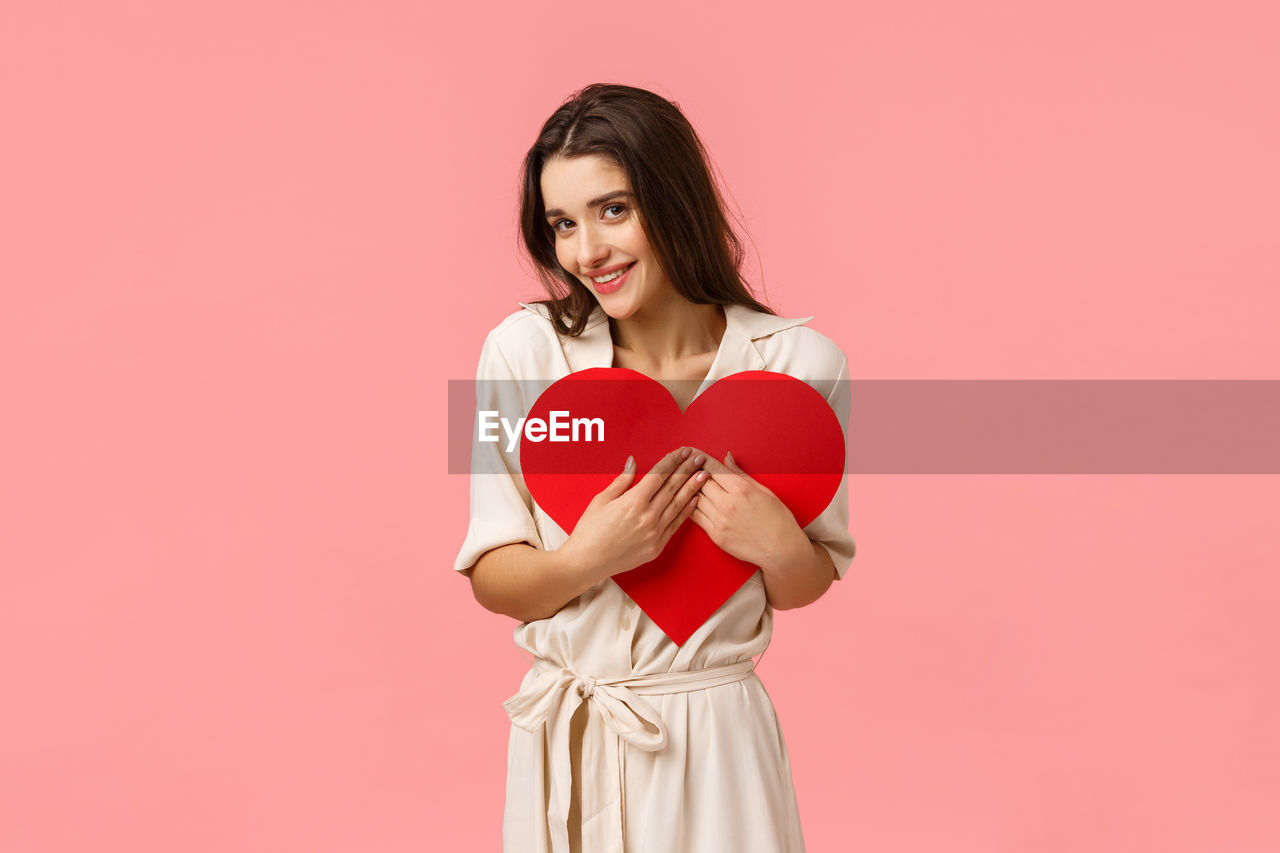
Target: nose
(592, 249)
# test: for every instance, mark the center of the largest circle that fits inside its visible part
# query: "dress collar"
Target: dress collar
(737, 351)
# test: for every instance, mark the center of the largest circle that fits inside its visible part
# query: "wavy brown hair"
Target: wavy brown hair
(681, 209)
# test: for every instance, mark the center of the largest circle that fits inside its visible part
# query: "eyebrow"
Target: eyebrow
(595, 202)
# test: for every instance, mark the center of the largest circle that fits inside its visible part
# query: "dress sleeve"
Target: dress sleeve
(501, 508)
(831, 528)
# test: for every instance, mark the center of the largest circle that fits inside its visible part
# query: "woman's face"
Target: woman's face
(597, 231)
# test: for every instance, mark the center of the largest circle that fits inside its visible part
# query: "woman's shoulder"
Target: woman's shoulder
(793, 347)
(529, 319)
(528, 327)
(527, 341)
(790, 343)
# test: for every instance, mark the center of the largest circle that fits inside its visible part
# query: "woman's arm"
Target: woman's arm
(801, 579)
(623, 527)
(527, 583)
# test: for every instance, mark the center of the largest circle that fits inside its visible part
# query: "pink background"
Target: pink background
(243, 247)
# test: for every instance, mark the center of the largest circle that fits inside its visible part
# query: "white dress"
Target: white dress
(622, 740)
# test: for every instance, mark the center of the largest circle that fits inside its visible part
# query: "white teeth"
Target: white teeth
(601, 279)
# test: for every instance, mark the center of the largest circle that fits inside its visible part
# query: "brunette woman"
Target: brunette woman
(621, 739)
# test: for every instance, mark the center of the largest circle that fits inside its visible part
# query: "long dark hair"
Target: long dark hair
(681, 209)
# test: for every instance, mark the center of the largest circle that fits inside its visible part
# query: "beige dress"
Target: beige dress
(622, 740)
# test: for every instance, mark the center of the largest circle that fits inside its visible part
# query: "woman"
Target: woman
(622, 739)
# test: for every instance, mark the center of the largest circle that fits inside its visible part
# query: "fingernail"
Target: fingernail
(728, 457)
(700, 459)
(684, 452)
(631, 464)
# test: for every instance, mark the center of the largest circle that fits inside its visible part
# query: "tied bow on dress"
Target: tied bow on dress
(616, 712)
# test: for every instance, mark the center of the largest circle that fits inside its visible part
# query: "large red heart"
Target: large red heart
(781, 432)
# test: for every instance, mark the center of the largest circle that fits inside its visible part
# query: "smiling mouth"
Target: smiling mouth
(613, 281)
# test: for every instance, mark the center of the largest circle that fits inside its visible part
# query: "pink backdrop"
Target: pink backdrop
(243, 246)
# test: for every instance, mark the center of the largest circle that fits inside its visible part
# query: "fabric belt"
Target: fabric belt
(621, 716)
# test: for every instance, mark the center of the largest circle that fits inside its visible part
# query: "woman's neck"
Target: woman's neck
(670, 333)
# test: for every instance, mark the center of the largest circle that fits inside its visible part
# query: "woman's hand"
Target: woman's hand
(748, 521)
(624, 527)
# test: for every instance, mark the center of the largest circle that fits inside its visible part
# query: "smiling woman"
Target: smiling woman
(621, 738)
(603, 230)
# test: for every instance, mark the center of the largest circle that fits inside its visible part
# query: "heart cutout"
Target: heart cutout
(781, 432)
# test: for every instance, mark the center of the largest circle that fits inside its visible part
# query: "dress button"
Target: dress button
(626, 623)
(630, 603)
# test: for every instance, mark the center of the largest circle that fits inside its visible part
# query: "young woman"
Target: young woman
(621, 739)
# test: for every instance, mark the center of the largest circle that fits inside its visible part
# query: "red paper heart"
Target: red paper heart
(781, 432)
